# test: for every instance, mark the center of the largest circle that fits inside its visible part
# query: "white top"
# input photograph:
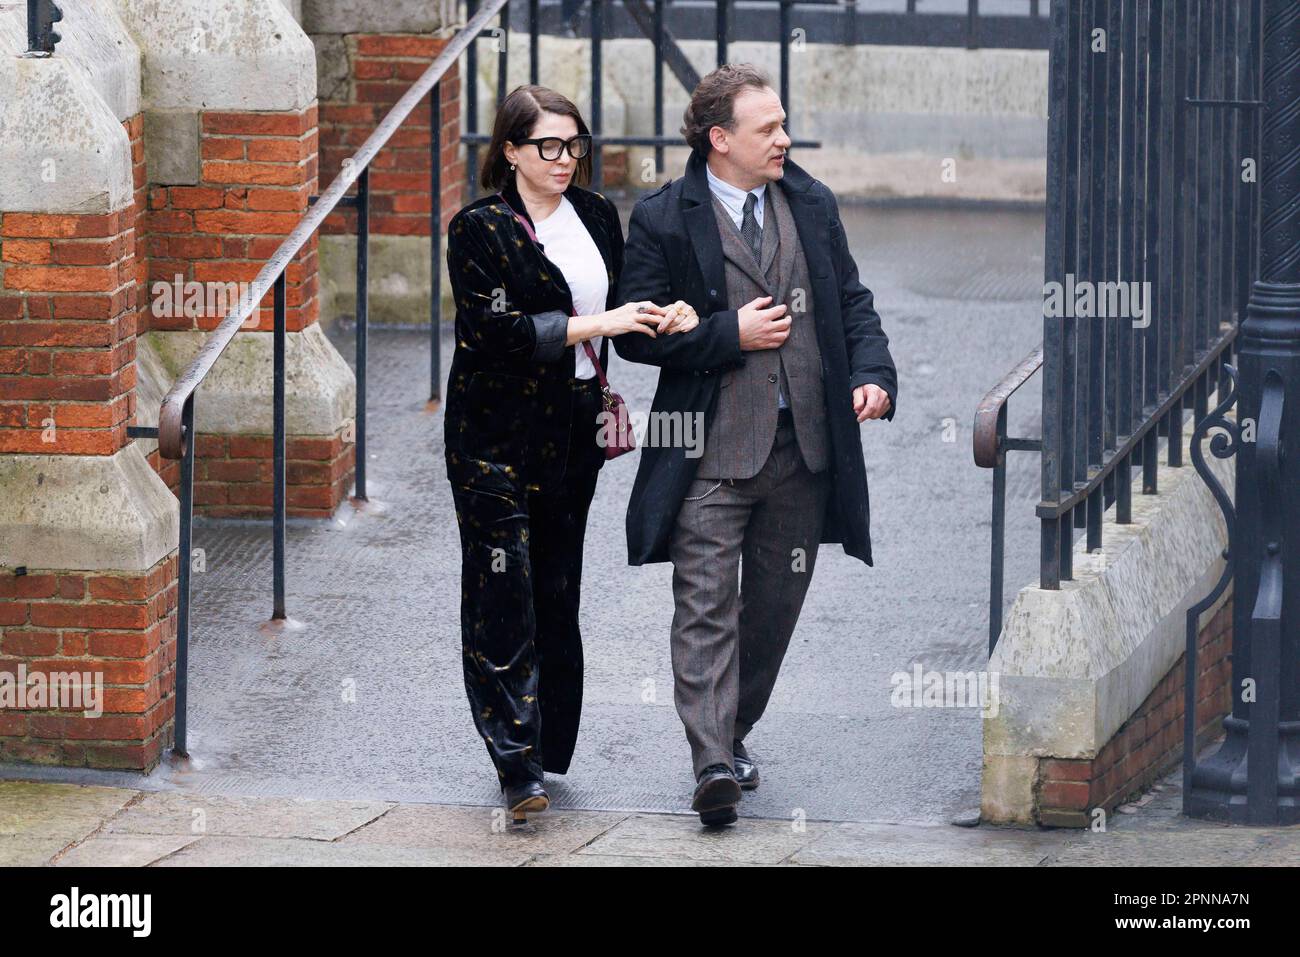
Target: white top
(733, 198)
(570, 246)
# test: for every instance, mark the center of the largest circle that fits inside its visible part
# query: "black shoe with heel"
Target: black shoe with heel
(526, 798)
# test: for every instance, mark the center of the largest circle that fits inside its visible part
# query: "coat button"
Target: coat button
(771, 377)
(713, 292)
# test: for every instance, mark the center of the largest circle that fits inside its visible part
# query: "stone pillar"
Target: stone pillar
(367, 57)
(88, 533)
(229, 91)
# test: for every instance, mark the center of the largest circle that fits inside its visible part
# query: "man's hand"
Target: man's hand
(762, 328)
(679, 316)
(870, 402)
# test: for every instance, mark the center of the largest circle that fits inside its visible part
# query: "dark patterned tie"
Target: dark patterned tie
(749, 228)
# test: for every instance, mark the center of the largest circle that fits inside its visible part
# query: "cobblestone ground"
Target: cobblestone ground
(374, 594)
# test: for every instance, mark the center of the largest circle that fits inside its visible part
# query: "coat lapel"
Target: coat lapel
(702, 227)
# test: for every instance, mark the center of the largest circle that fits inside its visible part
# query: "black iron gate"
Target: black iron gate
(1161, 174)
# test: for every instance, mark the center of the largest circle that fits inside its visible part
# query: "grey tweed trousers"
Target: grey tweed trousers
(743, 552)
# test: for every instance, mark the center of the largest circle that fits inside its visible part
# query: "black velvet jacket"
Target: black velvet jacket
(509, 397)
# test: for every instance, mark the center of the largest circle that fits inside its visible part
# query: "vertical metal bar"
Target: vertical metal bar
(1175, 430)
(721, 26)
(1206, 198)
(1096, 507)
(999, 533)
(1189, 154)
(363, 322)
(659, 87)
(1184, 170)
(597, 121)
(471, 104)
(277, 447)
(503, 53)
(1087, 227)
(534, 34)
(1057, 237)
(1141, 212)
(1108, 328)
(1224, 144)
(184, 598)
(1157, 151)
(784, 15)
(1068, 523)
(435, 242)
(972, 24)
(1131, 211)
(1099, 69)
(1244, 191)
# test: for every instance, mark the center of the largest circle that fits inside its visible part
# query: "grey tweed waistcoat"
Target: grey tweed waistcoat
(743, 427)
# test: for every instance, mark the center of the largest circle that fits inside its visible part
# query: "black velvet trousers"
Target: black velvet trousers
(521, 576)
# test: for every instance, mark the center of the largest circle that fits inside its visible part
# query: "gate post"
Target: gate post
(1254, 777)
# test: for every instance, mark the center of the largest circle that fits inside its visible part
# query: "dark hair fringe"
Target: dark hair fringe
(516, 118)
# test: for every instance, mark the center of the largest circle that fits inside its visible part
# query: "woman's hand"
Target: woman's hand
(680, 316)
(630, 317)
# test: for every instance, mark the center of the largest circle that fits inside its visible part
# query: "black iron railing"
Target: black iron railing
(1152, 141)
(41, 17)
(651, 21)
(1019, 24)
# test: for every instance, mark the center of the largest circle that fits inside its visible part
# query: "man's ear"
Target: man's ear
(718, 139)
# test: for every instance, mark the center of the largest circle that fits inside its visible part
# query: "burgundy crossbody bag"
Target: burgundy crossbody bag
(613, 402)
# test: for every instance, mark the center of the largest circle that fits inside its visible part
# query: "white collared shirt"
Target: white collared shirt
(733, 198)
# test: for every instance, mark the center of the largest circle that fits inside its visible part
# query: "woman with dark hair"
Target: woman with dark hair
(521, 425)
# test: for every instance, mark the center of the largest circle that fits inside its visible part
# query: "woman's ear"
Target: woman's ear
(511, 153)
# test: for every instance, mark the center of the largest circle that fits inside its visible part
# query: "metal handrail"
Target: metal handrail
(989, 439)
(170, 431)
(991, 443)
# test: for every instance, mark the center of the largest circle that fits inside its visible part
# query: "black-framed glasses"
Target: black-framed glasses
(550, 147)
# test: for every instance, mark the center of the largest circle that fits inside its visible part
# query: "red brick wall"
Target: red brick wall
(383, 67)
(258, 170)
(1149, 744)
(119, 626)
(67, 332)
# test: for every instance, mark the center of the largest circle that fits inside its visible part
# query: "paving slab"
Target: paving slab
(682, 838)
(483, 830)
(298, 852)
(204, 814)
(28, 851)
(902, 845)
(123, 850)
(66, 812)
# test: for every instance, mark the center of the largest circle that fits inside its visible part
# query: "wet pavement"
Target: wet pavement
(69, 825)
(361, 699)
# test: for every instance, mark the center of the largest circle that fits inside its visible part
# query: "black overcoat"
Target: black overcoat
(674, 252)
(509, 390)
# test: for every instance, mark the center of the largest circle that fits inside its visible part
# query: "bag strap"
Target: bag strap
(586, 343)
